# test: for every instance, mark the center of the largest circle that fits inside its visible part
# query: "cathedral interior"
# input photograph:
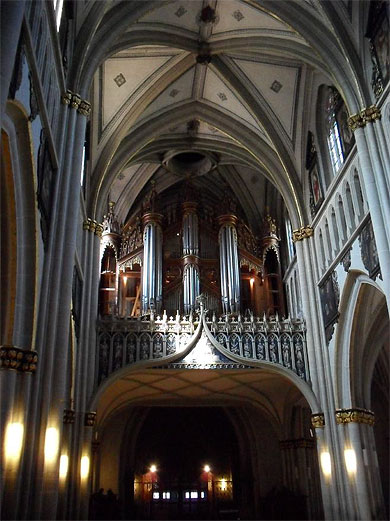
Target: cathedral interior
(195, 259)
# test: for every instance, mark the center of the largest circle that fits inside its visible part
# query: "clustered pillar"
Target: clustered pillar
(229, 264)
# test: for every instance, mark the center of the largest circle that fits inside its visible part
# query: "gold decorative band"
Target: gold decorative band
(152, 217)
(89, 419)
(228, 219)
(74, 100)
(93, 226)
(12, 357)
(318, 420)
(302, 233)
(355, 415)
(69, 416)
(363, 117)
(301, 443)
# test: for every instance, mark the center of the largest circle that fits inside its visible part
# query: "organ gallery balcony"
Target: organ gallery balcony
(201, 340)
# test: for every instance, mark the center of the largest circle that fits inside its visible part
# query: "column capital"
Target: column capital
(22, 360)
(228, 219)
(303, 233)
(300, 443)
(318, 420)
(367, 115)
(90, 419)
(73, 100)
(355, 415)
(69, 416)
(91, 225)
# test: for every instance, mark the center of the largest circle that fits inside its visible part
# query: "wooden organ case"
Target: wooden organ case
(164, 259)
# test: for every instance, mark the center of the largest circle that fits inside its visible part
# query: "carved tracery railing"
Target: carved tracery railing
(232, 341)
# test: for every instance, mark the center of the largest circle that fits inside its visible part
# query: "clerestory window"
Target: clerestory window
(334, 137)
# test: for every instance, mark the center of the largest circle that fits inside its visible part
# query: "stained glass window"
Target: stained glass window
(334, 139)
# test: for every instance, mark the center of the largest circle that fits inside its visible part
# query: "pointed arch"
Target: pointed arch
(24, 225)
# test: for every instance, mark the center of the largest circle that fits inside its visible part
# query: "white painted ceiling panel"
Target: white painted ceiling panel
(122, 76)
(178, 91)
(183, 14)
(217, 92)
(278, 85)
(234, 16)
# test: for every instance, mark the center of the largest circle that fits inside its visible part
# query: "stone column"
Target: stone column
(54, 328)
(85, 364)
(229, 264)
(373, 178)
(355, 429)
(191, 283)
(15, 379)
(32, 458)
(337, 503)
(152, 266)
(12, 13)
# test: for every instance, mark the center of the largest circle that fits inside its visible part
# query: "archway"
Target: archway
(364, 346)
(251, 426)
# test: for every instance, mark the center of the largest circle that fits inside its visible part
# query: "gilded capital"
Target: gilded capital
(303, 233)
(87, 224)
(22, 360)
(355, 415)
(367, 115)
(66, 97)
(99, 230)
(76, 100)
(69, 416)
(318, 420)
(356, 121)
(84, 108)
(300, 443)
(371, 114)
(89, 419)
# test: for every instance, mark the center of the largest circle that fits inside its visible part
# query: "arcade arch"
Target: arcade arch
(264, 433)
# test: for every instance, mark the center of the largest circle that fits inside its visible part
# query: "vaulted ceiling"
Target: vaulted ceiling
(227, 78)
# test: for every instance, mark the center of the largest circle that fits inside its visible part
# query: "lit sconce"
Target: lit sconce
(13, 441)
(252, 281)
(326, 464)
(84, 467)
(153, 468)
(350, 460)
(223, 484)
(207, 468)
(51, 444)
(64, 464)
(124, 279)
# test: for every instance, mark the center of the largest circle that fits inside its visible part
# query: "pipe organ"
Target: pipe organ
(163, 260)
(191, 278)
(152, 264)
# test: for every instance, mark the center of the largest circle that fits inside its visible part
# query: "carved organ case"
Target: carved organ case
(181, 245)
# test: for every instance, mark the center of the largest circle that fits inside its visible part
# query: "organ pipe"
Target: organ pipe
(152, 268)
(229, 264)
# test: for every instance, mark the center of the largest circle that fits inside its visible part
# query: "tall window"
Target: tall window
(334, 138)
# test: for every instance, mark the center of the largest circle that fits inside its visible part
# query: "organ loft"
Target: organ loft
(177, 246)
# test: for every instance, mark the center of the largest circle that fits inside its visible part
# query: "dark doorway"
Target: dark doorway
(186, 465)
